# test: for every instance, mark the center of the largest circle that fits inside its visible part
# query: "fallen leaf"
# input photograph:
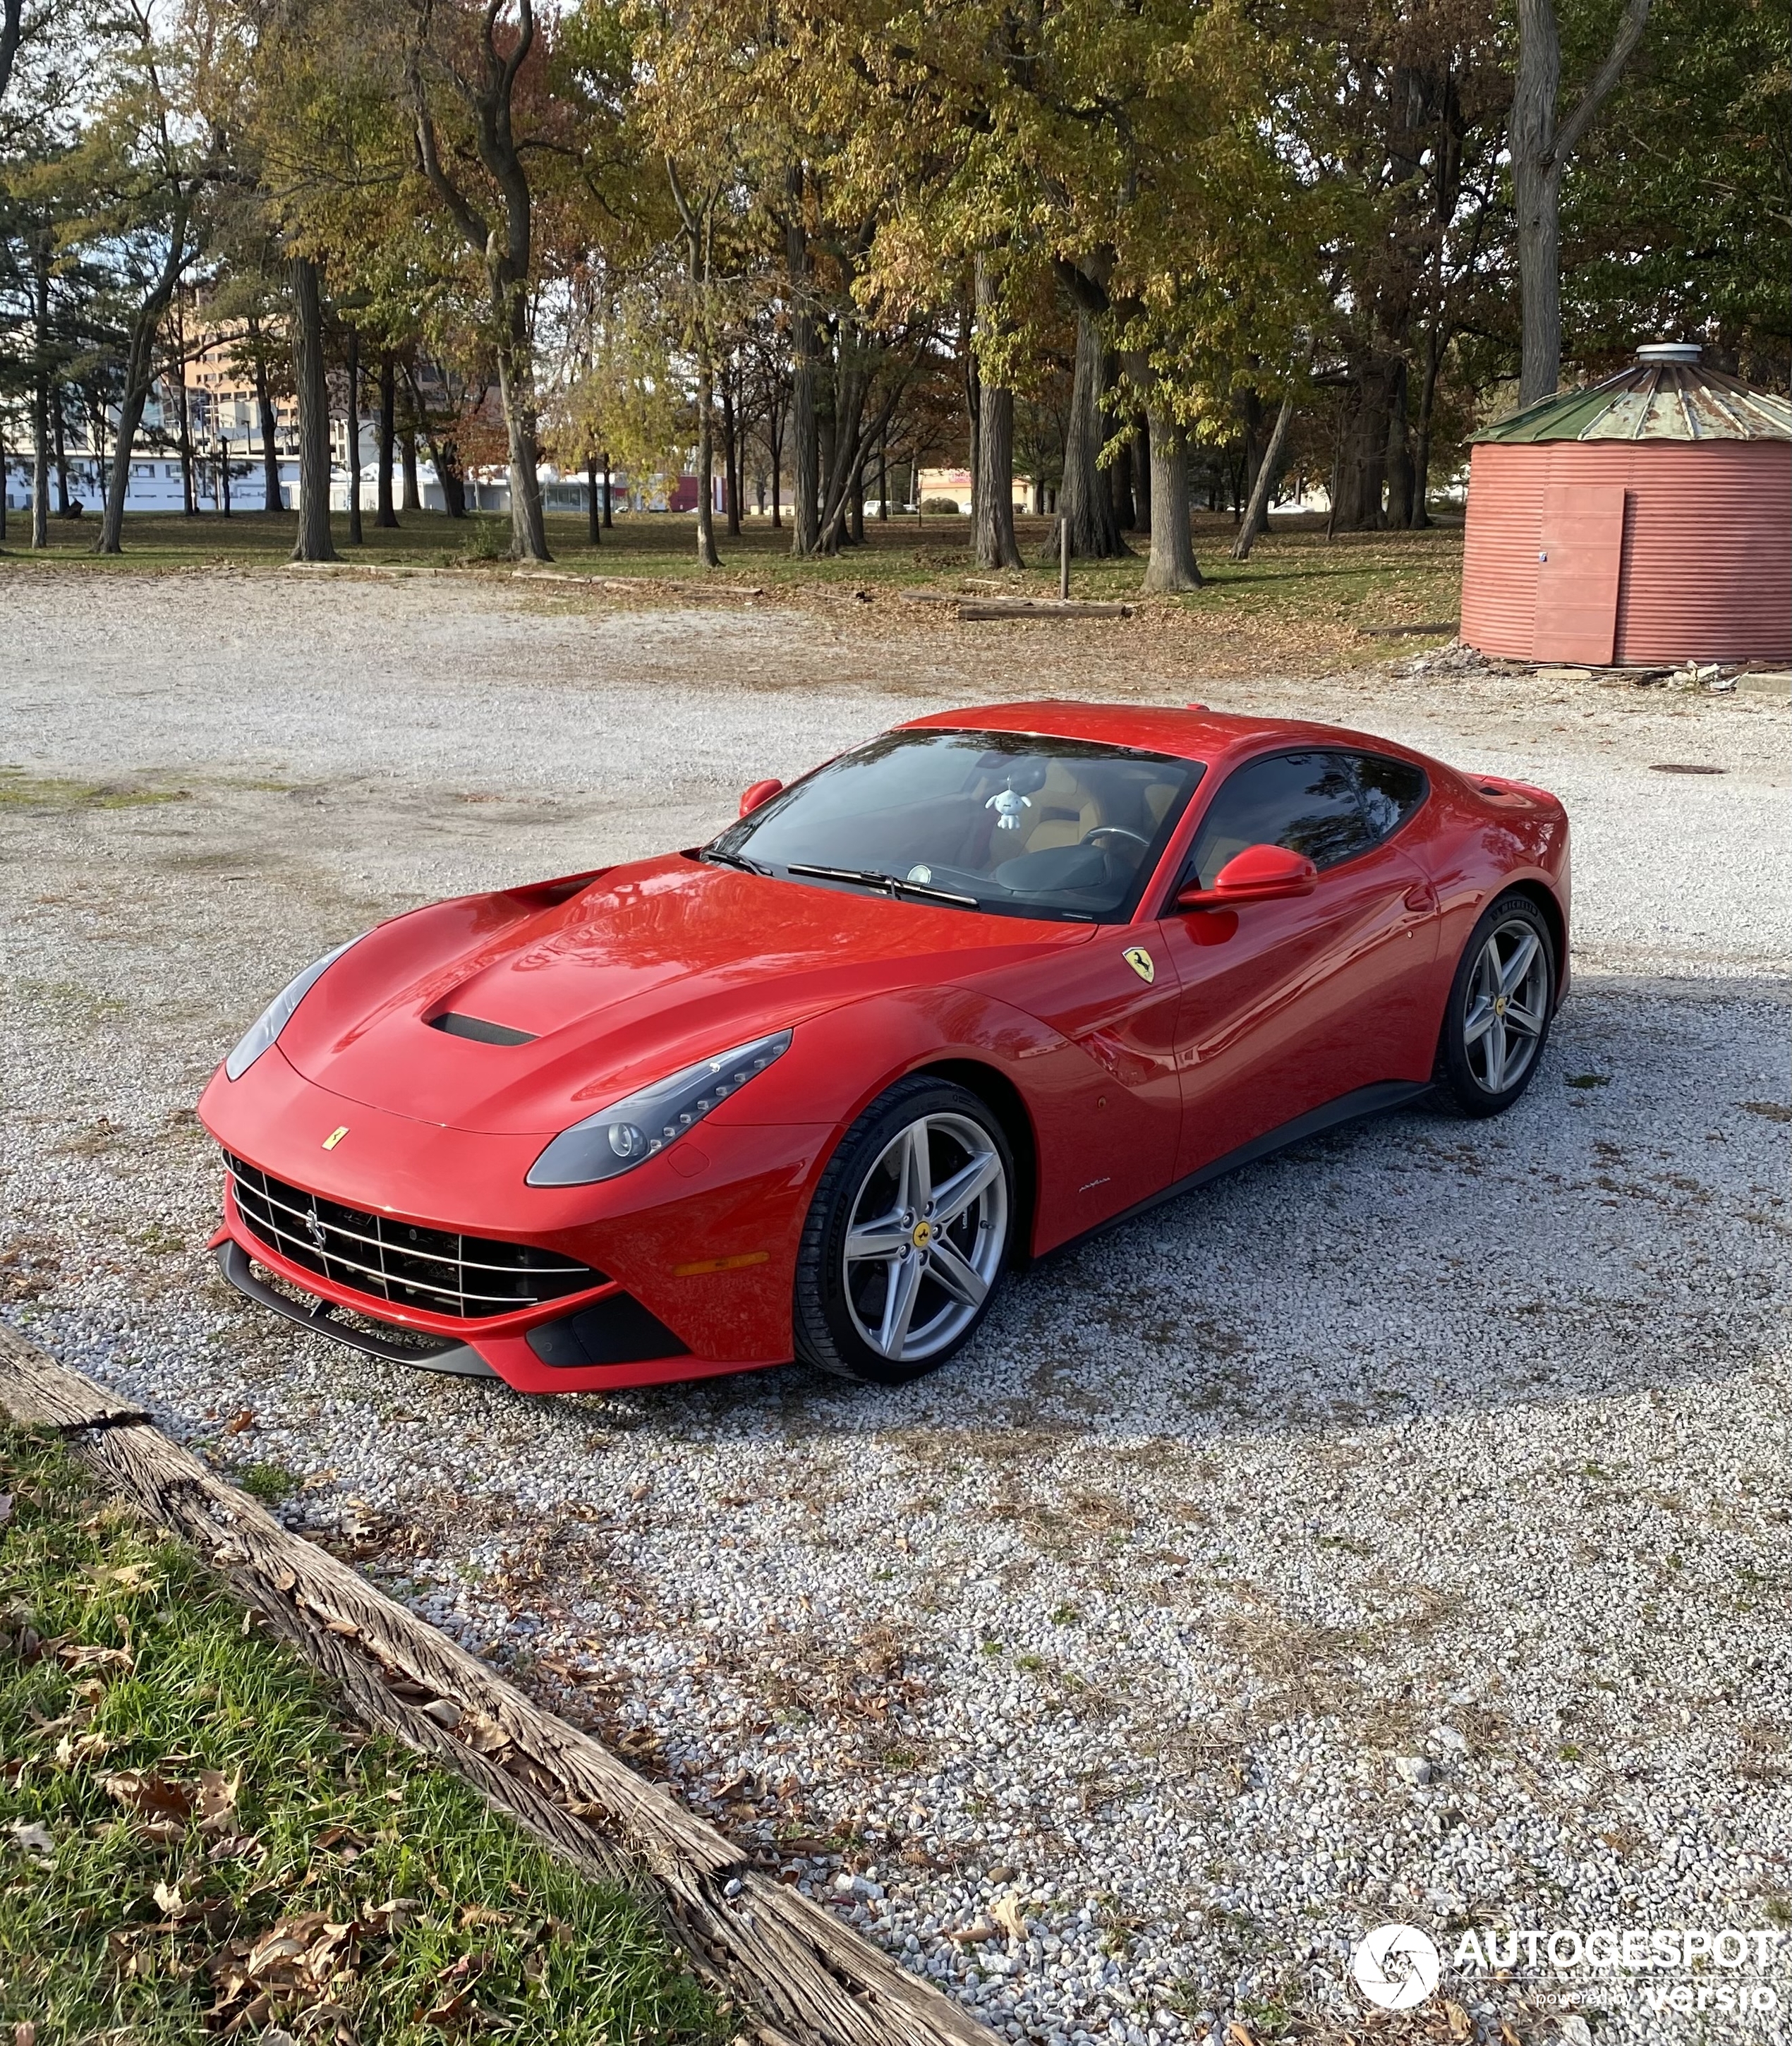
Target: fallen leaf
(1462, 2026)
(1008, 1915)
(217, 1799)
(395, 1914)
(244, 1419)
(168, 1899)
(276, 1947)
(154, 1796)
(1237, 2034)
(452, 2011)
(30, 1838)
(6, 1514)
(88, 1655)
(25, 2033)
(483, 1914)
(128, 1577)
(443, 1710)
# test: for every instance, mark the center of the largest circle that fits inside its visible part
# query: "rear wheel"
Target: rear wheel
(907, 1237)
(1500, 1002)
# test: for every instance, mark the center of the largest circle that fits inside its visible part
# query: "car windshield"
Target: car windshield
(1000, 821)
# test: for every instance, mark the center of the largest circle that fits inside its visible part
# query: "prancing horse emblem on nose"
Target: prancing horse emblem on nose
(1139, 959)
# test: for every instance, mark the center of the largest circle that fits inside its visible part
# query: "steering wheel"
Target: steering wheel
(1115, 831)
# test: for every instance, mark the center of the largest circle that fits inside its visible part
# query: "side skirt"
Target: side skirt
(1376, 1100)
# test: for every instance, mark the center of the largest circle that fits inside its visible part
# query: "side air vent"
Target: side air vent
(479, 1030)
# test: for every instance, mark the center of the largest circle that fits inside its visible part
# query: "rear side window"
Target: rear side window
(1390, 791)
(1307, 801)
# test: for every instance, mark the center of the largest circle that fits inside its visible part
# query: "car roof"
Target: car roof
(1193, 733)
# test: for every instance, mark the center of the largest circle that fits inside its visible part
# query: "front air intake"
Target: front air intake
(404, 1263)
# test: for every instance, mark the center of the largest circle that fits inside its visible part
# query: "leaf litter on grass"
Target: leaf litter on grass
(192, 1844)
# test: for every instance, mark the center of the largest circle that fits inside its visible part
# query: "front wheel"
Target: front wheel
(1501, 1003)
(907, 1237)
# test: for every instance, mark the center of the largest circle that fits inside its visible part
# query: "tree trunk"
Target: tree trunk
(774, 445)
(41, 392)
(856, 526)
(706, 553)
(805, 510)
(59, 435)
(270, 431)
(313, 543)
(1399, 454)
(883, 481)
(973, 413)
(139, 369)
(608, 520)
(593, 505)
(993, 545)
(356, 537)
(1422, 434)
(184, 440)
(1140, 449)
(1268, 474)
(413, 497)
(1120, 477)
(385, 515)
(1171, 566)
(1085, 499)
(1362, 464)
(731, 459)
(1541, 150)
(516, 391)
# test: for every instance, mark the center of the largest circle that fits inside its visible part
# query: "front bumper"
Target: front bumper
(698, 1246)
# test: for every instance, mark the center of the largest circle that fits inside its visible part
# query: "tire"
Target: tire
(889, 1285)
(1484, 1062)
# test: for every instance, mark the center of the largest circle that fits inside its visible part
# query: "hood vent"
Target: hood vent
(479, 1030)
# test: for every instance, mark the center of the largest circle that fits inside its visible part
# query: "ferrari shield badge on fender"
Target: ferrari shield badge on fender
(1139, 959)
(336, 1136)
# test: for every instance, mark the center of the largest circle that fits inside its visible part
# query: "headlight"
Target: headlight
(618, 1138)
(278, 1013)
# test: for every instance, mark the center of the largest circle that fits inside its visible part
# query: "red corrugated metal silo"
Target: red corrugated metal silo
(1647, 519)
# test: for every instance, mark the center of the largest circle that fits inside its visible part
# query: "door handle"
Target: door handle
(1419, 897)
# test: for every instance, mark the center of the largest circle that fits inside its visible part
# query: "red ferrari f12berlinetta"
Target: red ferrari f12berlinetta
(985, 983)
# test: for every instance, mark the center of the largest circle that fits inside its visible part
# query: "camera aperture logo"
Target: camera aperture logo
(1396, 1966)
(1726, 1970)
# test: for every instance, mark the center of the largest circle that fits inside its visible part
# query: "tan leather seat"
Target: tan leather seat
(1065, 812)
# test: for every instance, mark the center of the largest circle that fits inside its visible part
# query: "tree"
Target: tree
(1543, 142)
(144, 172)
(477, 65)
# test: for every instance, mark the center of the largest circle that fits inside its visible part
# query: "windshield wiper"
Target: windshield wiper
(891, 884)
(734, 859)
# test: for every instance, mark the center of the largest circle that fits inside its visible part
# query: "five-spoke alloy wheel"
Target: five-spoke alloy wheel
(908, 1234)
(1500, 1008)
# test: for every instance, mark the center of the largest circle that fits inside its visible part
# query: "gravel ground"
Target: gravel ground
(1398, 1530)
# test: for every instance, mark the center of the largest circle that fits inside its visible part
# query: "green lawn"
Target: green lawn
(1297, 605)
(191, 1843)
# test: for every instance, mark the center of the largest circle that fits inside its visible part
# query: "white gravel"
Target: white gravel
(1400, 1529)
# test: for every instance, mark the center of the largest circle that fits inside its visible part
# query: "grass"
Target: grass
(1297, 604)
(19, 790)
(192, 1843)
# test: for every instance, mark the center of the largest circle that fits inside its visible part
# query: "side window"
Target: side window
(1307, 801)
(1390, 791)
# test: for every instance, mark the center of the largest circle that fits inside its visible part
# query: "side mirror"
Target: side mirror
(1259, 873)
(761, 792)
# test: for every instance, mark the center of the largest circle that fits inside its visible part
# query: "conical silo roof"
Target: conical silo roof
(1667, 394)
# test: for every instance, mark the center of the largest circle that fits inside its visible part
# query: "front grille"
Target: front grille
(401, 1262)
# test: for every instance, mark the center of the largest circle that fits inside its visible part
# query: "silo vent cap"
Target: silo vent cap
(1669, 351)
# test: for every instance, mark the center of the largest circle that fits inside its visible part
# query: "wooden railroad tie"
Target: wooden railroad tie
(810, 1980)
